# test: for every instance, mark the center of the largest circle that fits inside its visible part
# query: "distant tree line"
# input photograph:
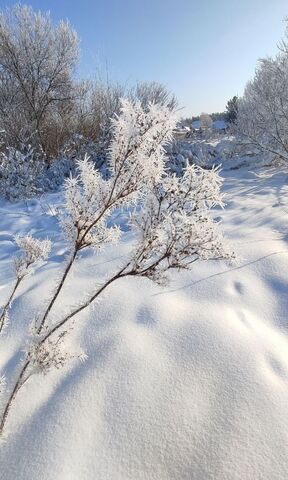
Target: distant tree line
(229, 115)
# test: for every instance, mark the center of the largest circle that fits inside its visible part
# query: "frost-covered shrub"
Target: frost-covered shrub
(21, 173)
(177, 156)
(60, 169)
(175, 226)
(182, 153)
(172, 222)
(54, 353)
(79, 146)
(66, 164)
(24, 174)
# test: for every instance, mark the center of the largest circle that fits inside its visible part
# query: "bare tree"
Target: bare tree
(262, 119)
(37, 61)
(206, 120)
(97, 102)
(153, 92)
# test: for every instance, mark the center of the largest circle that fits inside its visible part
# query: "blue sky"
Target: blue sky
(205, 51)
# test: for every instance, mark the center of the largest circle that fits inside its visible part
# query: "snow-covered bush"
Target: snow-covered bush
(178, 156)
(21, 173)
(225, 151)
(195, 152)
(55, 175)
(172, 222)
(78, 146)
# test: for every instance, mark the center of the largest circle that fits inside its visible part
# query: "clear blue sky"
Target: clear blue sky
(205, 51)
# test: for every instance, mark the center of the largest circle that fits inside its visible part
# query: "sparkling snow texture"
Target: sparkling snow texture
(188, 381)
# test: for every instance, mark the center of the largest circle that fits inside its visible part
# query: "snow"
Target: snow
(219, 125)
(188, 381)
(196, 124)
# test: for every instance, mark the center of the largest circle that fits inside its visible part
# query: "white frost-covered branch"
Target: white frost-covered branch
(33, 250)
(176, 226)
(136, 161)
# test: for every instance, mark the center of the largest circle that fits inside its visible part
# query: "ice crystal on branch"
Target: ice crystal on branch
(52, 353)
(33, 251)
(175, 224)
(137, 159)
(136, 152)
(87, 211)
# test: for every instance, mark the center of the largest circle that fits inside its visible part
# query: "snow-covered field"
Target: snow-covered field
(188, 381)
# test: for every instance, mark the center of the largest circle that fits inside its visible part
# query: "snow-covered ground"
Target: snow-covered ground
(188, 381)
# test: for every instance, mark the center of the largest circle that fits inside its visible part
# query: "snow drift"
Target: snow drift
(185, 382)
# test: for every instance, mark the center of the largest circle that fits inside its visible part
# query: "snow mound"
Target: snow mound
(187, 382)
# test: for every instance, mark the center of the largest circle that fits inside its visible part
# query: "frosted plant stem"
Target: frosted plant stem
(58, 290)
(84, 305)
(7, 306)
(21, 380)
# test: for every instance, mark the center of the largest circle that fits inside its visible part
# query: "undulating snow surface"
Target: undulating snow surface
(188, 381)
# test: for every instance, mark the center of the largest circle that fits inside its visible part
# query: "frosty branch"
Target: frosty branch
(33, 251)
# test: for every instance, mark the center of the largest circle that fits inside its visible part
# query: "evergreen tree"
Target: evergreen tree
(232, 109)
